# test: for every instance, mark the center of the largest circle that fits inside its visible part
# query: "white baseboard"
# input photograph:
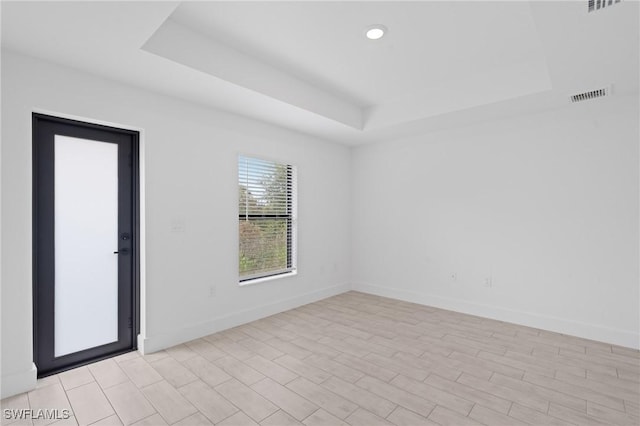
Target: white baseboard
(15, 383)
(559, 325)
(150, 344)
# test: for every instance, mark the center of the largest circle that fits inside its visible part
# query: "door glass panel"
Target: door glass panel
(86, 235)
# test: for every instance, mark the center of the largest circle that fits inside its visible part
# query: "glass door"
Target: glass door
(84, 242)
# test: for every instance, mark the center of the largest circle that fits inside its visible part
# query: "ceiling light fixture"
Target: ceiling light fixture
(375, 32)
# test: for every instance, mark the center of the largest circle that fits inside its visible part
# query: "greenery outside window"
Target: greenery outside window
(266, 207)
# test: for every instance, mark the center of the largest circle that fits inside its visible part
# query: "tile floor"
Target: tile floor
(360, 360)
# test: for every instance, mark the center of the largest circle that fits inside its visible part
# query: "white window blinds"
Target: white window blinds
(266, 207)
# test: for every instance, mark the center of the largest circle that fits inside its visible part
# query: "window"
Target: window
(266, 207)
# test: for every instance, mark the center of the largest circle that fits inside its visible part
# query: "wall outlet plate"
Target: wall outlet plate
(178, 224)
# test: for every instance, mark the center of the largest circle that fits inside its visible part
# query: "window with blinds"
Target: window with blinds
(266, 207)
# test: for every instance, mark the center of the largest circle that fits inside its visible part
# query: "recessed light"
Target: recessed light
(375, 32)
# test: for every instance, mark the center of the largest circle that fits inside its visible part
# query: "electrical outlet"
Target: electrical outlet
(178, 225)
(488, 282)
(454, 276)
(212, 291)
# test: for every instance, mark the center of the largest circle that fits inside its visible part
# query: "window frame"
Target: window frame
(290, 216)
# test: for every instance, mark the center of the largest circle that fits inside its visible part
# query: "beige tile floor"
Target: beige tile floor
(360, 360)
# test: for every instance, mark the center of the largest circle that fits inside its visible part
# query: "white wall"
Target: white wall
(190, 163)
(546, 206)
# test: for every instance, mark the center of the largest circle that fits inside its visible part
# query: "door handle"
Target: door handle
(122, 251)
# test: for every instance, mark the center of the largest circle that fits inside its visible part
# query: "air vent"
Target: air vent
(600, 4)
(590, 95)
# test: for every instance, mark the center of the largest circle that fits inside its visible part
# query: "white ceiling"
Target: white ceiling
(427, 43)
(307, 65)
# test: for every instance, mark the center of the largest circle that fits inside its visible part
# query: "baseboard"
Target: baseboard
(15, 383)
(150, 344)
(559, 325)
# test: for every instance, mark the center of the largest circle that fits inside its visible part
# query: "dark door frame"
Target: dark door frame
(38, 325)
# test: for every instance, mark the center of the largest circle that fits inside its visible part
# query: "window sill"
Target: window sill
(269, 278)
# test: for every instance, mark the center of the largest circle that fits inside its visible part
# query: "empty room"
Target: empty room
(332, 213)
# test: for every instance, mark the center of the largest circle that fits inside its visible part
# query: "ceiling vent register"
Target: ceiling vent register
(590, 95)
(600, 4)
